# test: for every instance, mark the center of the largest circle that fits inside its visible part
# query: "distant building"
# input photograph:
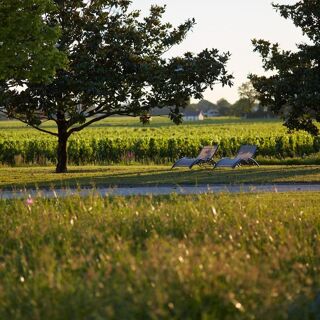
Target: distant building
(212, 113)
(193, 116)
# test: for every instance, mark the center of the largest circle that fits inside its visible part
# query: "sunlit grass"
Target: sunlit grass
(177, 257)
(19, 177)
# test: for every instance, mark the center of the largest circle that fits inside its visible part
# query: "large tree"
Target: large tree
(224, 107)
(241, 108)
(248, 93)
(116, 67)
(27, 43)
(248, 99)
(293, 90)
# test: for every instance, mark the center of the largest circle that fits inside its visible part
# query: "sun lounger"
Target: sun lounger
(205, 157)
(245, 156)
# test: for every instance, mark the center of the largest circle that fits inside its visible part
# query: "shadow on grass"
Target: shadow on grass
(135, 176)
(145, 177)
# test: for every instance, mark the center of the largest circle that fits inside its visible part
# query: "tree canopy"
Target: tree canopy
(248, 99)
(224, 107)
(293, 90)
(27, 42)
(248, 92)
(116, 67)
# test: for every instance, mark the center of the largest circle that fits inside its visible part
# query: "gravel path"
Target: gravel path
(161, 190)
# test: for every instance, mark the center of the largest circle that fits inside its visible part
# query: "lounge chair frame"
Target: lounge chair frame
(244, 157)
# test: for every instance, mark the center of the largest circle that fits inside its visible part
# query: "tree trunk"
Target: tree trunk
(62, 150)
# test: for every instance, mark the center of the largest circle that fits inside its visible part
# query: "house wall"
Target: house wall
(193, 118)
(188, 118)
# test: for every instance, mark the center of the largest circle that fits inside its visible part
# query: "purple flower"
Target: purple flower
(29, 201)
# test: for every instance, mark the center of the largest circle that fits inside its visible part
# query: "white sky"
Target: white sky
(229, 25)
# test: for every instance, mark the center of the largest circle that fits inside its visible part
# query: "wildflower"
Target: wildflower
(236, 303)
(29, 201)
(170, 305)
(238, 306)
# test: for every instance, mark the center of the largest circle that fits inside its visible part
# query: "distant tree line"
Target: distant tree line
(247, 105)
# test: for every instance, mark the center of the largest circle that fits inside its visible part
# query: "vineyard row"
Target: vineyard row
(92, 150)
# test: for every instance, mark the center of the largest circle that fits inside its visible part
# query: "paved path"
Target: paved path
(161, 190)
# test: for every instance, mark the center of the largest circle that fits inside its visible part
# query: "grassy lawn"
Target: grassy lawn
(17, 177)
(176, 257)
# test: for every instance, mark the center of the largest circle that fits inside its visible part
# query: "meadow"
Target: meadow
(176, 257)
(125, 141)
(214, 256)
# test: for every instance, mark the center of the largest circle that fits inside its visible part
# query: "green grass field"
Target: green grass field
(177, 257)
(210, 257)
(19, 177)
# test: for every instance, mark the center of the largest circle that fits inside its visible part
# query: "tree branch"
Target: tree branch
(77, 129)
(106, 115)
(31, 125)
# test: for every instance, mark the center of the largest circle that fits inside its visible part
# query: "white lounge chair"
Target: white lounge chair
(245, 156)
(205, 157)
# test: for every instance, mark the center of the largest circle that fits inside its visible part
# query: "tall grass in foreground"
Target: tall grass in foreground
(177, 257)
